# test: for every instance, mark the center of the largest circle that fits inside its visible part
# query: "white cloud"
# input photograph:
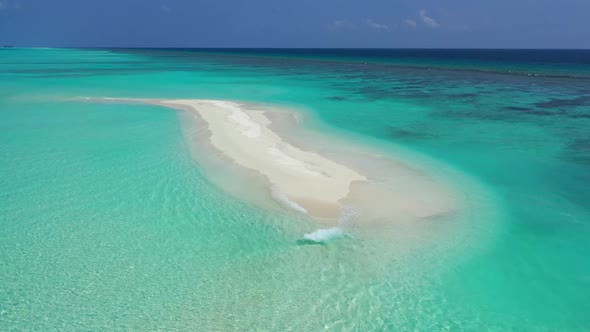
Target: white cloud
(408, 23)
(431, 22)
(375, 25)
(341, 25)
(165, 8)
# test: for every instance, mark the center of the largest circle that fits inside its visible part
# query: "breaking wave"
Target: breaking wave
(324, 234)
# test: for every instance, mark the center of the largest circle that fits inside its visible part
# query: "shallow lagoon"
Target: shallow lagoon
(108, 222)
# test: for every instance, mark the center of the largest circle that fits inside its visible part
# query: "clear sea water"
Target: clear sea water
(107, 222)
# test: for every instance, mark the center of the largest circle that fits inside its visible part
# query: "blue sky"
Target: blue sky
(297, 23)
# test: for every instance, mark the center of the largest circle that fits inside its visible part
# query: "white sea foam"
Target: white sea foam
(284, 200)
(324, 234)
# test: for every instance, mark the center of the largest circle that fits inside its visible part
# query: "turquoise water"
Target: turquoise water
(109, 223)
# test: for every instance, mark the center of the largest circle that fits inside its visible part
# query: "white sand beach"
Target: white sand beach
(307, 179)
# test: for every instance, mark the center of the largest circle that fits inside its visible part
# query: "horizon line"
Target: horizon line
(8, 46)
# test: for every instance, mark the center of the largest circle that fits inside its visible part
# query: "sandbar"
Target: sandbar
(301, 179)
